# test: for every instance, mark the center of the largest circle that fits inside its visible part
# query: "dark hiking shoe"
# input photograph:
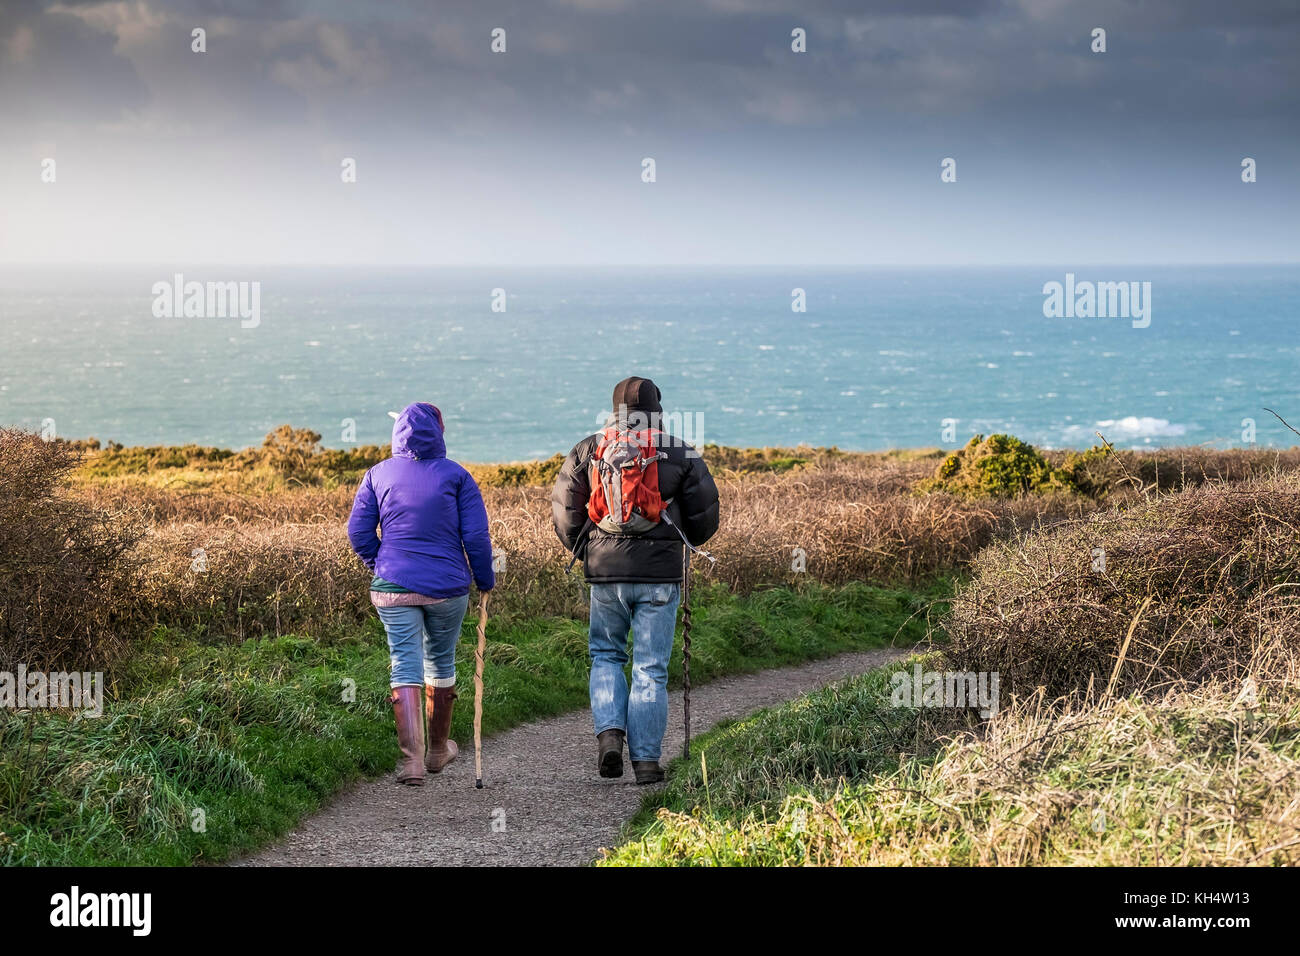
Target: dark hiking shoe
(609, 753)
(647, 771)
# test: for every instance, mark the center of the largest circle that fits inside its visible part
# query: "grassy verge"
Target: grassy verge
(208, 750)
(1196, 777)
(1150, 658)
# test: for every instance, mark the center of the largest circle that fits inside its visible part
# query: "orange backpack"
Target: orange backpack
(625, 480)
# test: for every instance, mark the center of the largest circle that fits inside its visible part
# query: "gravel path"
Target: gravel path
(541, 803)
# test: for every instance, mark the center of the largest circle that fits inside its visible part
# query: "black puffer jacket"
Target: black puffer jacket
(653, 557)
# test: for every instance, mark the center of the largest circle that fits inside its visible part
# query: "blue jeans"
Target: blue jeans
(422, 641)
(649, 611)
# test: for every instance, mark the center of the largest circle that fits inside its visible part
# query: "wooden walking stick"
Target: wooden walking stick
(478, 690)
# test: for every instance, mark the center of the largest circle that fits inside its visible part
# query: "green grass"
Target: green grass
(253, 736)
(841, 777)
(749, 769)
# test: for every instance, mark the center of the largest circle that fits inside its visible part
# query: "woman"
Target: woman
(431, 516)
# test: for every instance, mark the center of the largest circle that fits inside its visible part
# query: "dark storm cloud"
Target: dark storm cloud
(55, 68)
(606, 64)
(829, 156)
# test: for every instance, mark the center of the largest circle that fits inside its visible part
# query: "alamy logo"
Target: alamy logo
(60, 690)
(1102, 300)
(74, 908)
(208, 300)
(918, 688)
(674, 428)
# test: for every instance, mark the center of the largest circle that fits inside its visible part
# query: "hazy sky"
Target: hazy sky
(763, 155)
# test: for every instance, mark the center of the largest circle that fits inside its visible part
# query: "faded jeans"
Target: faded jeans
(649, 611)
(422, 641)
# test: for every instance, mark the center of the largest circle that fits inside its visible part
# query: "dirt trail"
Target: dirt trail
(539, 781)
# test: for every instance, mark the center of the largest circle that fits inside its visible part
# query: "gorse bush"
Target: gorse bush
(1002, 466)
(290, 450)
(287, 455)
(1098, 473)
(65, 565)
(999, 467)
(518, 474)
(113, 460)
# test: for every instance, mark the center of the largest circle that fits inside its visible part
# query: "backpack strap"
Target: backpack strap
(583, 535)
(700, 551)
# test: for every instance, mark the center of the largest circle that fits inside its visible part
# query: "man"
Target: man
(625, 500)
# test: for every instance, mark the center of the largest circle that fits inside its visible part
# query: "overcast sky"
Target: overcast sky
(763, 155)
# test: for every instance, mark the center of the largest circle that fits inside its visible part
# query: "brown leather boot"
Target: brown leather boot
(609, 753)
(647, 771)
(410, 734)
(441, 750)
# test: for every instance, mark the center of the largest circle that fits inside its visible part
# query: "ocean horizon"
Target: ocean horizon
(522, 360)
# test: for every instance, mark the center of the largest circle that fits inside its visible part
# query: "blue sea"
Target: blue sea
(881, 358)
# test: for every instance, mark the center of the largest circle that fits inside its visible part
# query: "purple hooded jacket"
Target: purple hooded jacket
(430, 511)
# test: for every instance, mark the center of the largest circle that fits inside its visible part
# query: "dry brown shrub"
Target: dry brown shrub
(1174, 468)
(63, 564)
(178, 503)
(282, 561)
(247, 580)
(1206, 580)
(859, 524)
(279, 561)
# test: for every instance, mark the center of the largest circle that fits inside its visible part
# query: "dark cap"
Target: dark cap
(637, 394)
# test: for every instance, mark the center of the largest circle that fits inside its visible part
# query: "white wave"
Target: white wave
(1129, 428)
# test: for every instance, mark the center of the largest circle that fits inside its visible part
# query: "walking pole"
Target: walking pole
(686, 623)
(686, 647)
(478, 690)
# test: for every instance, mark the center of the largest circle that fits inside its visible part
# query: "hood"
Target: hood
(417, 433)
